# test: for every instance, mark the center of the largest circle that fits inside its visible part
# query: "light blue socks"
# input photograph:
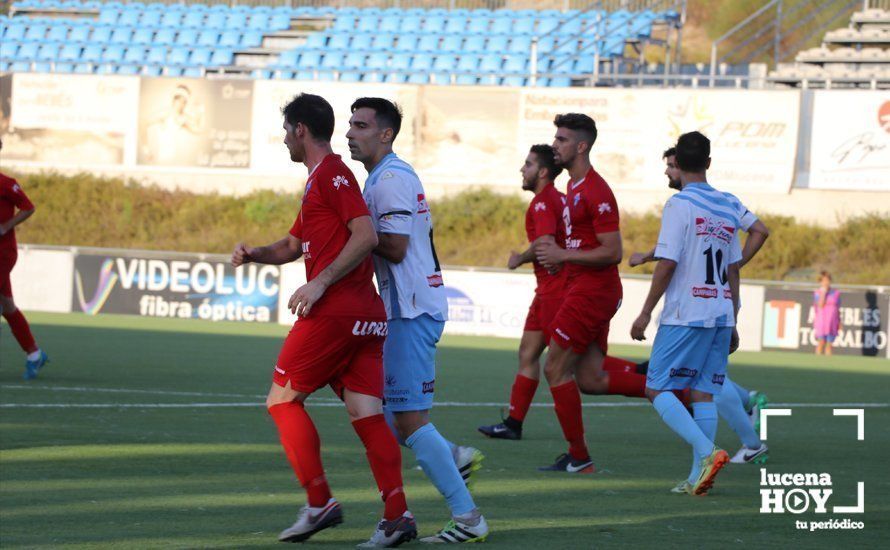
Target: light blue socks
(732, 409)
(677, 418)
(437, 461)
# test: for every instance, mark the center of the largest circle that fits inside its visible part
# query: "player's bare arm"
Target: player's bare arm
(19, 217)
(608, 253)
(280, 252)
(362, 241)
(733, 274)
(392, 247)
(757, 235)
(528, 255)
(640, 258)
(664, 272)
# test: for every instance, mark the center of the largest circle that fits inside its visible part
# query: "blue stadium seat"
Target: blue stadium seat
(547, 25)
(201, 57)
(208, 37)
(150, 18)
(513, 81)
(361, 42)
(57, 33)
(218, 8)
(434, 24)
(134, 54)
(428, 43)
(283, 75)
(47, 51)
(354, 60)
(15, 31)
(390, 24)
(468, 63)
(20, 67)
(490, 63)
(372, 77)
(303, 75)
(178, 56)
(100, 34)
(258, 21)
(83, 68)
(187, 37)
(129, 18)
(195, 19)
(309, 60)
(165, 36)
(418, 78)
(339, 41)
(496, 44)
(279, 22)
(8, 49)
(108, 16)
(236, 20)
(152, 70)
(350, 76)
(570, 27)
(318, 40)
(520, 44)
(127, 69)
(121, 35)
(400, 62)
(142, 36)
(64, 68)
(91, 52)
(584, 64)
(422, 62)
(478, 25)
(445, 63)
(41, 67)
(474, 44)
(407, 42)
(452, 43)
(456, 24)
(377, 61)
(332, 60)
(344, 23)
(546, 44)
(395, 78)
(156, 55)
(501, 26)
(523, 26)
(172, 71)
(383, 41)
(215, 20)
(222, 56)
(36, 31)
(515, 64)
(80, 33)
(411, 24)
(368, 23)
(113, 53)
(566, 45)
(560, 82)
(262, 74)
(230, 38)
(288, 58)
(252, 39)
(466, 80)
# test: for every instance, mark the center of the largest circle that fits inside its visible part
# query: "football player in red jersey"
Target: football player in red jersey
(13, 198)
(579, 331)
(338, 337)
(543, 223)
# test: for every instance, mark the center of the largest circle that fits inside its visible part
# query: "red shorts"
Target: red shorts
(7, 260)
(584, 317)
(541, 313)
(342, 352)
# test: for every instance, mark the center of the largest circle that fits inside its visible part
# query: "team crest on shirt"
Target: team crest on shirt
(576, 199)
(422, 206)
(714, 228)
(604, 207)
(539, 206)
(16, 188)
(338, 181)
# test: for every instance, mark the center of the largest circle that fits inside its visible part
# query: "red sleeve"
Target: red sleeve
(297, 228)
(544, 219)
(341, 192)
(14, 193)
(604, 209)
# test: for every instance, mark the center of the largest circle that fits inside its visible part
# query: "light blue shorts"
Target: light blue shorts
(409, 363)
(689, 357)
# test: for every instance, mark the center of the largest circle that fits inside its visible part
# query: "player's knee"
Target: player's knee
(700, 397)
(651, 394)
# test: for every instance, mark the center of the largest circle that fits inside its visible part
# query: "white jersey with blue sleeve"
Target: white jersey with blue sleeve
(699, 231)
(398, 205)
(745, 216)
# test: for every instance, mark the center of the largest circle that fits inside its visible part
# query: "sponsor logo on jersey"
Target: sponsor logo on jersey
(562, 334)
(365, 328)
(604, 207)
(572, 244)
(390, 380)
(718, 379)
(704, 292)
(279, 370)
(540, 206)
(727, 293)
(435, 280)
(340, 180)
(428, 386)
(711, 228)
(422, 206)
(683, 372)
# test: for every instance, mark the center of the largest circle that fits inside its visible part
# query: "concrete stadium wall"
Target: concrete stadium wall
(482, 302)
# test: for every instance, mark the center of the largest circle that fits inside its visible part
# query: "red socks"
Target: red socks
(20, 329)
(614, 364)
(385, 459)
(303, 448)
(630, 384)
(521, 396)
(567, 402)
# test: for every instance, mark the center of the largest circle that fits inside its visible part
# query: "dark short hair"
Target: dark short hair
(387, 113)
(545, 159)
(693, 152)
(313, 112)
(669, 152)
(578, 122)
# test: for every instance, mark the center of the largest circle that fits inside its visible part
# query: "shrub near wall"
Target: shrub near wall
(472, 228)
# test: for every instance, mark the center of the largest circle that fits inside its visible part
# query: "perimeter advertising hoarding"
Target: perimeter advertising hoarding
(189, 287)
(753, 133)
(850, 147)
(195, 122)
(65, 120)
(788, 322)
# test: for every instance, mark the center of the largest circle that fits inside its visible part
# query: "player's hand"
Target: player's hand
(554, 269)
(3, 229)
(241, 255)
(515, 260)
(734, 341)
(637, 258)
(638, 329)
(305, 297)
(549, 254)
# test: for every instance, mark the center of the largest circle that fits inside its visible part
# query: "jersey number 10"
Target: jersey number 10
(712, 264)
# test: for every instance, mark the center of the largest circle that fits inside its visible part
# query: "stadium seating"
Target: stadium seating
(368, 44)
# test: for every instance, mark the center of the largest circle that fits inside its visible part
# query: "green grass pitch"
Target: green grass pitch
(172, 475)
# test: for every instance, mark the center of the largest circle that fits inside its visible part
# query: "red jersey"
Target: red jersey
(332, 197)
(544, 217)
(11, 197)
(591, 208)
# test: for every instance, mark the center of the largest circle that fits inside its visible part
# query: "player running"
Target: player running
(338, 337)
(698, 274)
(12, 197)
(411, 285)
(580, 329)
(739, 407)
(543, 222)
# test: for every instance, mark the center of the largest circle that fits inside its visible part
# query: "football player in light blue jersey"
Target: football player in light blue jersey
(410, 283)
(739, 407)
(698, 275)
